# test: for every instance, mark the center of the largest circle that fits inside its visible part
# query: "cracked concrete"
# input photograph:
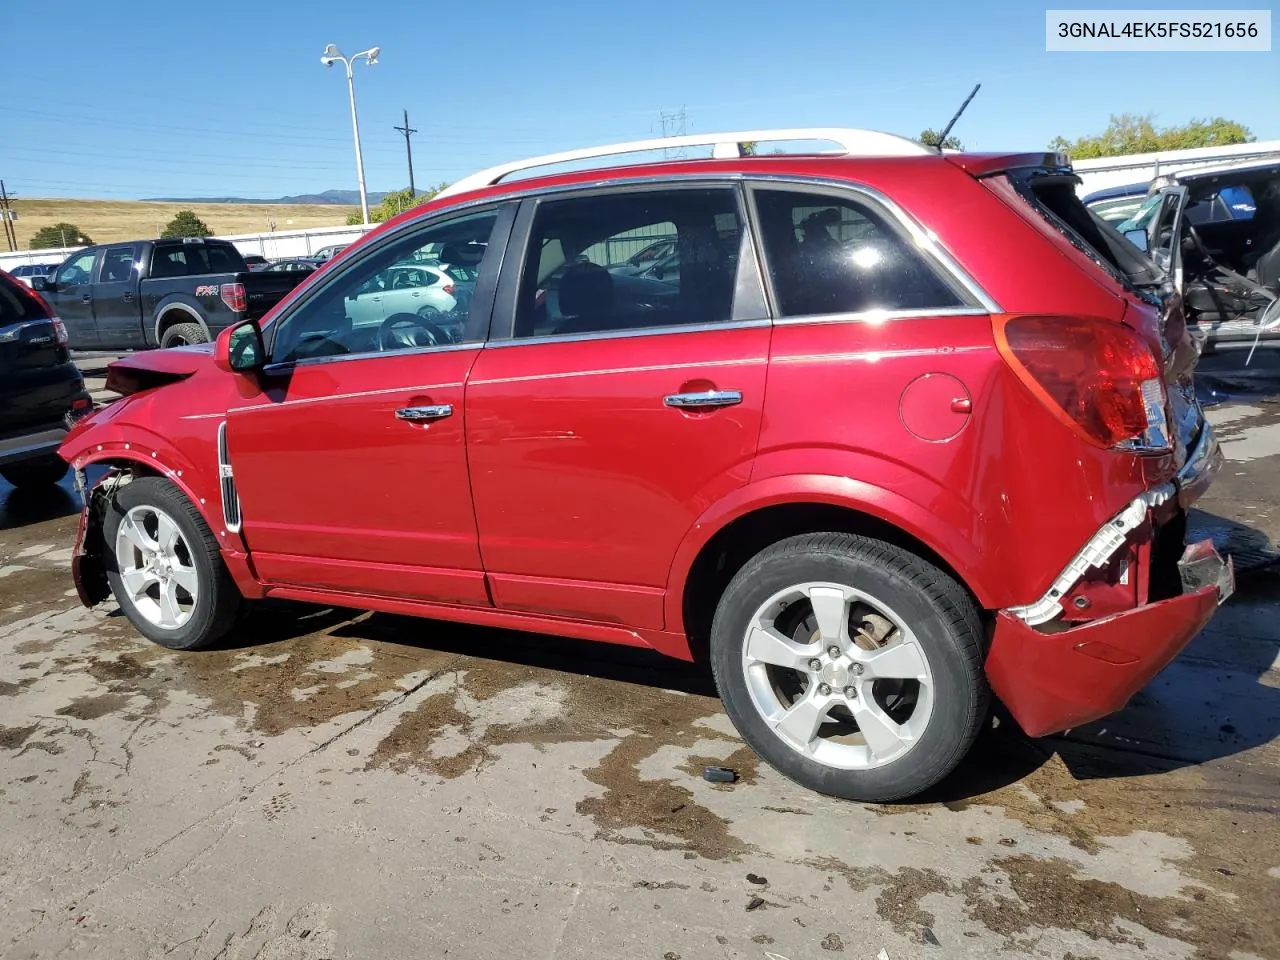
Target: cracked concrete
(334, 785)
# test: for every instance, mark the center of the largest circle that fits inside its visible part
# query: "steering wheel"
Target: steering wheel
(408, 330)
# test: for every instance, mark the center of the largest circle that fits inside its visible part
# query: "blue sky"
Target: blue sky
(229, 98)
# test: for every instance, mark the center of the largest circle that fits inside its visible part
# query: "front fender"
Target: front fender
(146, 452)
(841, 491)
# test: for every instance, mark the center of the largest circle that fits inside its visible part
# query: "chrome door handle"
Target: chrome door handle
(425, 414)
(704, 400)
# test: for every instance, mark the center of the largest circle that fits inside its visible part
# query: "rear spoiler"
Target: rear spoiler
(1025, 164)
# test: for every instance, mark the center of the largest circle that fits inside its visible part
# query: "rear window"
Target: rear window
(193, 259)
(17, 306)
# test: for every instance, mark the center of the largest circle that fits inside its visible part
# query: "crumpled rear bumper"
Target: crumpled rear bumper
(1052, 681)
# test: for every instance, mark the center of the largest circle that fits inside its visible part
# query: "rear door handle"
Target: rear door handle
(86, 298)
(704, 400)
(425, 414)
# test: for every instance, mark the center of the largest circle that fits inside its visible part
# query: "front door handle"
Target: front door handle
(704, 399)
(86, 298)
(127, 297)
(425, 414)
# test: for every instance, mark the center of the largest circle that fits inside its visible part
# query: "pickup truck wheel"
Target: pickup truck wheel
(850, 665)
(41, 472)
(181, 334)
(165, 568)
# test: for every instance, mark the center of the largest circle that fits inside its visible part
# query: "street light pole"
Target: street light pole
(331, 56)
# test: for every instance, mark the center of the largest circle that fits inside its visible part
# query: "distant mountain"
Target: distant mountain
(349, 198)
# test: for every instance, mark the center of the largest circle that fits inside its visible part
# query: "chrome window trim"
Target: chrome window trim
(624, 334)
(924, 239)
(881, 316)
(278, 369)
(928, 243)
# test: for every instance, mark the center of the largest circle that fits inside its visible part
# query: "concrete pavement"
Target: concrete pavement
(350, 785)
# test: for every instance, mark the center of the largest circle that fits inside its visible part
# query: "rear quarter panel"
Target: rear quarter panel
(1015, 493)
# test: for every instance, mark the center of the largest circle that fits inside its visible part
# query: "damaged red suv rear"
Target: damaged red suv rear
(884, 432)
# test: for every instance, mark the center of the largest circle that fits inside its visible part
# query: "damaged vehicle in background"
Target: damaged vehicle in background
(1216, 231)
(906, 430)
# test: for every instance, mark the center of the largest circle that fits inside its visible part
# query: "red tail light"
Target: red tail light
(59, 332)
(448, 288)
(233, 296)
(1099, 377)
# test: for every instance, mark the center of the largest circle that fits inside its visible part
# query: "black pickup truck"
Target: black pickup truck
(159, 293)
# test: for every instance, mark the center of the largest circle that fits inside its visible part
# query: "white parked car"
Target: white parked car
(430, 291)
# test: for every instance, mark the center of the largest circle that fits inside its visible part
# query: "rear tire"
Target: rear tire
(798, 649)
(40, 472)
(181, 334)
(165, 568)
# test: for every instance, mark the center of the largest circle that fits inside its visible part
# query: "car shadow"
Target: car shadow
(21, 508)
(1210, 704)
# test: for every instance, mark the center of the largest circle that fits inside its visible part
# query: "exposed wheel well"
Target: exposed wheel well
(729, 550)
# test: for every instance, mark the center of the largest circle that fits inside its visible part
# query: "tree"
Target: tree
(59, 235)
(748, 148)
(1129, 133)
(396, 203)
(186, 224)
(929, 137)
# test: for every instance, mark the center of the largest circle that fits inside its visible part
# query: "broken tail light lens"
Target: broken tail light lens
(1100, 377)
(233, 296)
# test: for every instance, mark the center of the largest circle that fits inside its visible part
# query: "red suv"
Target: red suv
(902, 429)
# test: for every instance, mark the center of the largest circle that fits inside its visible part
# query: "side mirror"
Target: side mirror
(239, 349)
(1138, 238)
(658, 272)
(42, 283)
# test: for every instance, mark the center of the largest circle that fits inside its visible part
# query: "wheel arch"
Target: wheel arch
(737, 528)
(173, 312)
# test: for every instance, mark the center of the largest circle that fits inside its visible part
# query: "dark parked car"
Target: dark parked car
(255, 261)
(301, 265)
(327, 253)
(40, 388)
(165, 293)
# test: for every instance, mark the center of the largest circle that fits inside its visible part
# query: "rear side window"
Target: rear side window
(193, 259)
(17, 306)
(829, 254)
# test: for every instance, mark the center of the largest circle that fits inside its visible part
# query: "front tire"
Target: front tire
(165, 568)
(31, 474)
(852, 666)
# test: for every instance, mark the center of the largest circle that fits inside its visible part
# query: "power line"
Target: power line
(674, 124)
(408, 149)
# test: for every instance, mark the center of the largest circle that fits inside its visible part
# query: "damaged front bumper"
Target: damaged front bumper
(1053, 675)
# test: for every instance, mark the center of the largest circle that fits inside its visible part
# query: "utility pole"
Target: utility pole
(408, 132)
(6, 214)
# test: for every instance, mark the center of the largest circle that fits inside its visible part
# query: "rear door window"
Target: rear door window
(832, 254)
(577, 277)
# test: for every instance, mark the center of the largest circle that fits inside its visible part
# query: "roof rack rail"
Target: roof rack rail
(851, 141)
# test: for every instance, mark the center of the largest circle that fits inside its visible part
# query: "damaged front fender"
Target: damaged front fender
(89, 557)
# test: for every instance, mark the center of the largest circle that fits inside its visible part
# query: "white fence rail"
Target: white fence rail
(273, 245)
(1143, 167)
